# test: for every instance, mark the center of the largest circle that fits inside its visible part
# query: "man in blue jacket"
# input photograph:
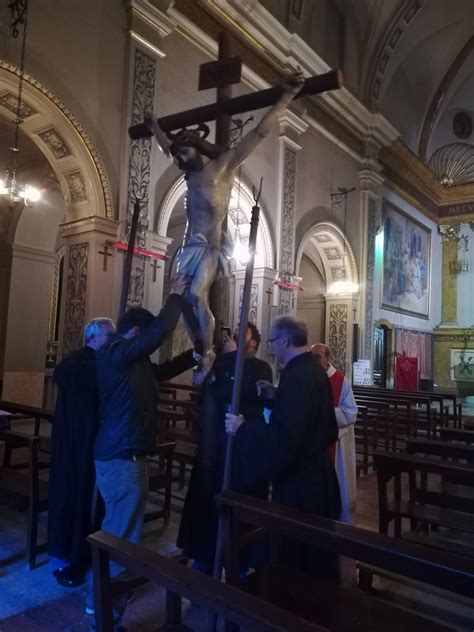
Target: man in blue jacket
(128, 419)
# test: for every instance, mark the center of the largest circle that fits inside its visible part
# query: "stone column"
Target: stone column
(291, 126)
(262, 309)
(92, 277)
(30, 273)
(340, 311)
(146, 27)
(449, 284)
(369, 198)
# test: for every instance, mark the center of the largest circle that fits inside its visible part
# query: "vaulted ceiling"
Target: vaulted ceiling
(412, 60)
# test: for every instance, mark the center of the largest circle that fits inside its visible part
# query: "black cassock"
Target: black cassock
(198, 528)
(292, 452)
(72, 475)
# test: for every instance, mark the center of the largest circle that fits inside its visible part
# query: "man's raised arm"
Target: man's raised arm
(290, 88)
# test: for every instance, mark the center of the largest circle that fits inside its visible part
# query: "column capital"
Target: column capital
(291, 128)
(94, 224)
(158, 243)
(370, 180)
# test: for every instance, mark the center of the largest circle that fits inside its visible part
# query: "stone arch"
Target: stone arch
(264, 238)
(64, 143)
(337, 257)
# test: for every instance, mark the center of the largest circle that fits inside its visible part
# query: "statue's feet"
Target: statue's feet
(204, 367)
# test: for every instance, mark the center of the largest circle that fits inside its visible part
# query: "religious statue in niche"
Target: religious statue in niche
(210, 171)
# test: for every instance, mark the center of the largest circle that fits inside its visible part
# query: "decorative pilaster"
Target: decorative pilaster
(92, 277)
(340, 311)
(76, 286)
(139, 169)
(291, 126)
(369, 184)
(147, 25)
(449, 285)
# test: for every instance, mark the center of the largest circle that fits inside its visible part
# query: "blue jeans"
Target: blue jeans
(123, 484)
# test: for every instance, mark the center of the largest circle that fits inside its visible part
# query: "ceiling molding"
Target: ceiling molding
(440, 97)
(382, 53)
(415, 182)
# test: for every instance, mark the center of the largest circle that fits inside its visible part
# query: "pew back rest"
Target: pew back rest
(223, 599)
(438, 568)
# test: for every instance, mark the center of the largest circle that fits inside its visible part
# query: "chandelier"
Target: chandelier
(11, 186)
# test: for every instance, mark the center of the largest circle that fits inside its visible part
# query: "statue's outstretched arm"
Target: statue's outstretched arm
(290, 87)
(162, 139)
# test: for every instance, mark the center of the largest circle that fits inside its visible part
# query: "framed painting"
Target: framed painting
(406, 273)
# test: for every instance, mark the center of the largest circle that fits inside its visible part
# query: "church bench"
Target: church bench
(28, 412)
(25, 482)
(386, 421)
(455, 434)
(160, 478)
(440, 513)
(444, 449)
(324, 602)
(179, 582)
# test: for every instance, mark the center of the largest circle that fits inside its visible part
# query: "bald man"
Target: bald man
(346, 416)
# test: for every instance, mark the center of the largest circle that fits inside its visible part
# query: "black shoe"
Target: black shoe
(69, 577)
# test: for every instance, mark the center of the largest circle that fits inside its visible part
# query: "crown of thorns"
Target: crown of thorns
(189, 137)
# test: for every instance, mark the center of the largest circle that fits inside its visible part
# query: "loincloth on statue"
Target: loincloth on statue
(198, 249)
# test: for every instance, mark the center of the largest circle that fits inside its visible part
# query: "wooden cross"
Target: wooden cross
(106, 254)
(238, 105)
(155, 267)
(269, 293)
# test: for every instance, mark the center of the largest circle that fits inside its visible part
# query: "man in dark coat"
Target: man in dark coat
(72, 476)
(292, 450)
(198, 528)
(128, 429)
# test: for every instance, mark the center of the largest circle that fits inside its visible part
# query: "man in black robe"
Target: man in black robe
(72, 475)
(292, 449)
(198, 528)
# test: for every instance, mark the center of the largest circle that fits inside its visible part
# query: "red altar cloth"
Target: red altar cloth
(406, 374)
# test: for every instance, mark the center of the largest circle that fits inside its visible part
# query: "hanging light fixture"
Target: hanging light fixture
(11, 186)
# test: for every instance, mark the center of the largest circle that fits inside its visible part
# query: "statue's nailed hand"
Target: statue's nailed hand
(180, 284)
(293, 82)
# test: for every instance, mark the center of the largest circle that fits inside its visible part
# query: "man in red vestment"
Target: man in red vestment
(343, 451)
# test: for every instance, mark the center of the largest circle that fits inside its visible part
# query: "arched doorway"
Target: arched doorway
(326, 264)
(58, 158)
(171, 222)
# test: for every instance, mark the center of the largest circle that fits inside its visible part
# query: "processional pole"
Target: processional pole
(239, 365)
(127, 266)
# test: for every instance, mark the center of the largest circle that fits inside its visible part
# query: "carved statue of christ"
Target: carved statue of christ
(210, 171)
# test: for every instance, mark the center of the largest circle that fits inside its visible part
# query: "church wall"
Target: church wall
(322, 168)
(404, 320)
(79, 56)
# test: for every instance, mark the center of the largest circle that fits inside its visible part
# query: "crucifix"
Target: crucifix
(269, 294)
(105, 254)
(154, 267)
(210, 171)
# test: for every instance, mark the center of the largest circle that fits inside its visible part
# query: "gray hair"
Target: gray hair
(322, 346)
(294, 328)
(92, 329)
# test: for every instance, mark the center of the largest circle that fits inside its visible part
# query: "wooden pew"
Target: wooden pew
(179, 581)
(328, 604)
(28, 412)
(437, 397)
(25, 482)
(160, 478)
(455, 434)
(447, 450)
(438, 496)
